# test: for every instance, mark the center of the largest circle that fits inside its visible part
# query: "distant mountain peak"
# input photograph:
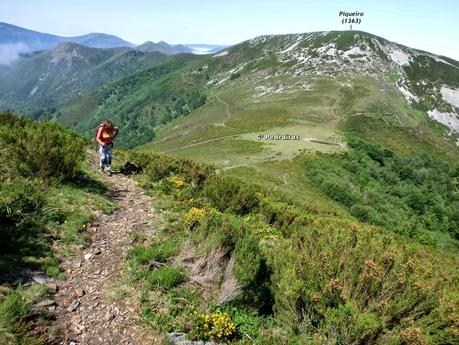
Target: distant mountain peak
(163, 47)
(67, 45)
(34, 40)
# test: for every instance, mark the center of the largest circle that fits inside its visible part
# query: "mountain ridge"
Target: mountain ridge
(25, 40)
(35, 40)
(163, 47)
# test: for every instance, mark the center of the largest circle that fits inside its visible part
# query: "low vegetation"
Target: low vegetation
(303, 275)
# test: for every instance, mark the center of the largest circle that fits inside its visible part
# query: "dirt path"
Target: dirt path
(90, 310)
(203, 142)
(227, 110)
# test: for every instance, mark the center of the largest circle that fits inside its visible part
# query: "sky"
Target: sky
(430, 25)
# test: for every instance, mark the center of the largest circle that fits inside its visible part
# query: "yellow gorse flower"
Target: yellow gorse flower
(194, 215)
(177, 181)
(215, 326)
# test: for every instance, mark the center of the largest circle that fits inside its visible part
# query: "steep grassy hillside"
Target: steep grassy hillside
(318, 86)
(331, 90)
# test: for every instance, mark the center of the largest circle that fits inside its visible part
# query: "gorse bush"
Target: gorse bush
(227, 194)
(222, 193)
(194, 216)
(253, 274)
(215, 326)
(158, 166)
(38, 149)
(31, 154)
(356, 285)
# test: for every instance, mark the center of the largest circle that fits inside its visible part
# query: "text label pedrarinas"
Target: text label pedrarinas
(350, 14)
(277, 137)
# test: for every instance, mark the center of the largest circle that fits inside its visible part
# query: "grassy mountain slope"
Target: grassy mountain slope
(39, 81)
(294, 85)
(338, 80)
(328, 88)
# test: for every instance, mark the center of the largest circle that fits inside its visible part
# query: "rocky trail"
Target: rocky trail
(89, 307)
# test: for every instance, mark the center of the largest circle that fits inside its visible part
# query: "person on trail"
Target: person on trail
(106, 132)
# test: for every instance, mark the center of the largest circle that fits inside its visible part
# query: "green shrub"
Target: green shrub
(39, 149)
(19, 199)
(228, 194)
(21, 207)
(159, 166)
(283, 216)
(220, 229)
(365, 213)
(253, 274)
(248, 322)
(353, 284)
(339, 191)
(165, 277)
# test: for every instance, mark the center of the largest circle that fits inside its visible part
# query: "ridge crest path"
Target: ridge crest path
(86, 312)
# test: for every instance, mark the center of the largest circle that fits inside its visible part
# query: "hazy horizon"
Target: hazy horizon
(427, 25)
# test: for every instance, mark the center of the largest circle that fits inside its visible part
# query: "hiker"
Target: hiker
(106, 132)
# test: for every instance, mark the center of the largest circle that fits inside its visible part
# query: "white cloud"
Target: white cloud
(9, 52)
